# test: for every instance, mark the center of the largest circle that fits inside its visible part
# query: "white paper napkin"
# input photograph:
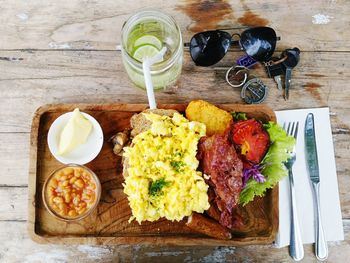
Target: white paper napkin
(330, 205)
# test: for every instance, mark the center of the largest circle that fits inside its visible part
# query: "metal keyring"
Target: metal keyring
(274, 61)
(239, 69)
(254, 91)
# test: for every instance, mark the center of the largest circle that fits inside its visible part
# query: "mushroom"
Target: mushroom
(119, 140)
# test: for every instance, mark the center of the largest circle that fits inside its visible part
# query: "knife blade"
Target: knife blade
(311, 149)
(321, 249)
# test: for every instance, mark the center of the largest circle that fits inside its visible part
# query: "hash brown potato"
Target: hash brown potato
(216, 120)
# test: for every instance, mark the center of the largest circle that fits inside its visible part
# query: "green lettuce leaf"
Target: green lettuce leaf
(272, 165)
(239, 116)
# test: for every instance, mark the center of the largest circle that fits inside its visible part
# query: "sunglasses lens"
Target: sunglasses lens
(208, 48)
(259, 42)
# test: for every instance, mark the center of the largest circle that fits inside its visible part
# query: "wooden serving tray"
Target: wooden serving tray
(108, 224)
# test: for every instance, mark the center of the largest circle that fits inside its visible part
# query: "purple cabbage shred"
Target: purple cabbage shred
(254, 172)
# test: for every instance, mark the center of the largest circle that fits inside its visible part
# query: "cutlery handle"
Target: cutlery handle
(296, 248)
(321, 249)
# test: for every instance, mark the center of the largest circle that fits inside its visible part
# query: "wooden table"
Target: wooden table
(64, 52)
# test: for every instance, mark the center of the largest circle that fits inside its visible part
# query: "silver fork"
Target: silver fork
(296, 248)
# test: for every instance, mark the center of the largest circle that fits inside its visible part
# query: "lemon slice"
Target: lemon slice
(149, 40)
(145, 51)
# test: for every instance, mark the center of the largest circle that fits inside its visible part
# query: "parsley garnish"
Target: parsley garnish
(177, 165)
(155, 188)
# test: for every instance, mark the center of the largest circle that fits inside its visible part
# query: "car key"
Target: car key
(293, 57)
(278, 80)
(275, 70)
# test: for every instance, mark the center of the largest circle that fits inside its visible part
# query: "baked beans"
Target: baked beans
(71, 192)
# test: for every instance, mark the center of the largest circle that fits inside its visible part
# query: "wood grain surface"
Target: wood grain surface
(84, 24)
(64, 52)
(109, 224)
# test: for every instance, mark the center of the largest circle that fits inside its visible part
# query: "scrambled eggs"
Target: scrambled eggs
(162, 179)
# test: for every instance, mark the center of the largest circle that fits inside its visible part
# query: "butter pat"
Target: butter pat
(75, 133)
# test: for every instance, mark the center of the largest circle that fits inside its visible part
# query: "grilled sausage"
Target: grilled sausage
(207, 226)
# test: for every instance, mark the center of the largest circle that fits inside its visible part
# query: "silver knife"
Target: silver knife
(321, 249)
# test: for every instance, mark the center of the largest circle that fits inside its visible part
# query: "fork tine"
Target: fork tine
(292, 130)
(288, 129)
(284, 126)
(296, 131)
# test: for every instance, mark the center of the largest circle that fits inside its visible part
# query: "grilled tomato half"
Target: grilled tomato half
(251, 140)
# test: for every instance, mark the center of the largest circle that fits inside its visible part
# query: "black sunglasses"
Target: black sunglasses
(209, 47)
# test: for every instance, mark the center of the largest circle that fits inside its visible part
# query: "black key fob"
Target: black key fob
(293, 57)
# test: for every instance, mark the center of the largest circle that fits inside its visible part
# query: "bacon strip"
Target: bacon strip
(219, 159)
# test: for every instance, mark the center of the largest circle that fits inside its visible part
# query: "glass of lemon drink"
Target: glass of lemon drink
(143, 36)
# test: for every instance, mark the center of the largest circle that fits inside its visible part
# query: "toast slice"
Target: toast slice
(139, 124)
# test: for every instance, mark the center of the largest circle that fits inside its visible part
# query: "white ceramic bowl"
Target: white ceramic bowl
(82, 154)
